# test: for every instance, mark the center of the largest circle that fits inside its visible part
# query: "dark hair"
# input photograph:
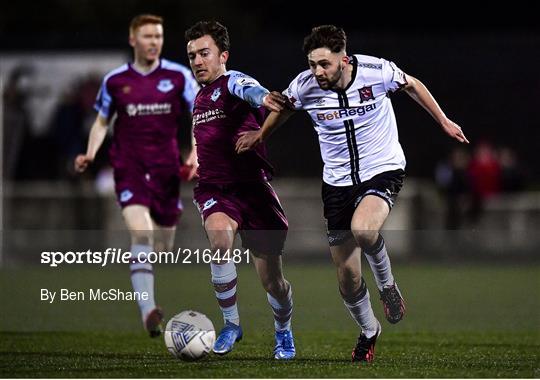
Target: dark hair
(210, 28)
(140, 20)
(328, 36)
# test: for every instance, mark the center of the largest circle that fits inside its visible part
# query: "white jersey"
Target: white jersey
(356, 126)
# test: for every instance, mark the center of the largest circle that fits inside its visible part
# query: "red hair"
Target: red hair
(144, 19)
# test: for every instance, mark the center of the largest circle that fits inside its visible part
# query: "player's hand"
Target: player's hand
(275, 101)
(81, 162)
(188, 171)
(453, 130)
(248, 140)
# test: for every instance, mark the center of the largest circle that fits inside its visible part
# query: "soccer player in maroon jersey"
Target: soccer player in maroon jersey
(233, 194)
(147, 97)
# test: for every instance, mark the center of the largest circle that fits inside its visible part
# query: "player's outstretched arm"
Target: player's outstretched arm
(275, 101)
(418, 91)
(97, 136)
(249, 140)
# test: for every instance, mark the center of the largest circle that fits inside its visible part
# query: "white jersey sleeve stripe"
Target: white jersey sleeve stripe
(393, 78)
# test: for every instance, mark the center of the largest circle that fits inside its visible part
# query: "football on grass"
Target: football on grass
(189, 335)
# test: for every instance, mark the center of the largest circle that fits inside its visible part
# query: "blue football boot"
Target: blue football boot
(284, 349)
(228, 336)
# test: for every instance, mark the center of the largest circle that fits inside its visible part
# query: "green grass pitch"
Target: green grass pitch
(462, 321)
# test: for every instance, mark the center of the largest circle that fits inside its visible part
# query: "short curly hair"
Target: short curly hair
(214, 29)
(328, 36)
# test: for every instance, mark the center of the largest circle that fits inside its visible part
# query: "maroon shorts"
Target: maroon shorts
(156, 188)
(254, 206)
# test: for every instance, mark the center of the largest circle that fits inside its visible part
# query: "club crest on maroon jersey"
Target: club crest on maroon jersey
(215, 95)
(165, 85)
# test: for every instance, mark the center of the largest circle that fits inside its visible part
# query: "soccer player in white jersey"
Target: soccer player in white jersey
(348, 100)
(146, 99)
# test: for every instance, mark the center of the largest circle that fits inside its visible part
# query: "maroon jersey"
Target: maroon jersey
(147, 108)
(220, 113)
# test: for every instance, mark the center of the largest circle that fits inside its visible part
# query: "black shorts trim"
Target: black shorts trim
(340, 202)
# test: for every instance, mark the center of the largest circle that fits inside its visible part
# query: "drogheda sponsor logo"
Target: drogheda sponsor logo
(208, 116)
(148, 109)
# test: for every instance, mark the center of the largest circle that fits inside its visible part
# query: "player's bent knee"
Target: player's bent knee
(220, 236)
(365, 237)
(220, 244)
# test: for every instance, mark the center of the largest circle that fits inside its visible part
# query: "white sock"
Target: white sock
(224, 279)
(360, 308)
(142, 278)
(379, 262)
(282, 311)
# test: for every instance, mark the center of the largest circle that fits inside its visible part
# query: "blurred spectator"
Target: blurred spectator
(485, 175)
(66, 130)
(512, 175)
(16, 122)
(69, 122)
(469, 181)
(452, 177)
